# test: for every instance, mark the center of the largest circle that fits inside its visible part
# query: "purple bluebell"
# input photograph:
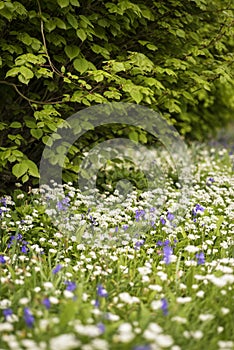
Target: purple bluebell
(198, 209)
(57, 269)
(163, 221)
(46, 303)
(164, 306)
(138, 244)
(200, 258)
(28, 317)
(167, 252)
(71, 286)
(101, 292)
(170, 216)
(2, 259)
(101, 327)
(7, 312)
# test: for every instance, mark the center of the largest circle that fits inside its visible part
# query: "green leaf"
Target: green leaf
(13, 72)
(15, 125)
(75, 3)
(133, 135)
(32, 167)
(180, 33)
(50, 25)
(63, 3)
(72, 51)
(19, 169)
(72, 20)
(37, 133)
(26, 72)
(136, 95)
(60, 24)
(81, 34)
(25, 178)
(81, 65)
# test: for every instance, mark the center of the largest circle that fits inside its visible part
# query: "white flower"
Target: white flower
(225, 310)
(48, 285)
(206, 317)
(225, 345)
(24, 301)
(155, 287)
(183, 300)
(68, 294)
(64, 342)
(156, 305)
(53, 300)
(6, 327)
(164, 340)
(191, 249)
(127, 298)
(200, 294)
(179, 319)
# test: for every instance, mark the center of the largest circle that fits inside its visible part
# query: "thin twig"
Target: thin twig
(26, 98)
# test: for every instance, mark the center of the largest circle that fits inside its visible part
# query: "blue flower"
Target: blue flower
(139, 213)
(57, 269)
(198, 209)
(170, 216)
(7, 312)
(138, 244)
(200, 258)
(2, 259)
(28, 317)
(101, 327)
(167, 251)
(163, 221)
(101, 292)
(63, 204)
(71, 286)
(164, 306)
(46, 302)
(24, 249)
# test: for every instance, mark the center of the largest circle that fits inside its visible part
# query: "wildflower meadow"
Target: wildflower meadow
(166, 282)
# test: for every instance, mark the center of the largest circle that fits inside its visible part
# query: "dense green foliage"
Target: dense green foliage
(58, 57)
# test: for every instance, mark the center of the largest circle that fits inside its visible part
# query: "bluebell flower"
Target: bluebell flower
(167, 251)
(138, 244)
(101, 292)
(57, 269)
(159, 243)
(163, 221)
(200, 258)
(28, 317)
(198, 209)
(63, 204)
(125, 227)
(139, 213)
(170, 216)
(2, 259)
(46, 303)
(96, 303)
(24, 249)
(71, 286)
(3, 201)
(7, 312)
(164, 306)
(101, 327)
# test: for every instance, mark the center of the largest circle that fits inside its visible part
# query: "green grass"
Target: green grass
(148, 290)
